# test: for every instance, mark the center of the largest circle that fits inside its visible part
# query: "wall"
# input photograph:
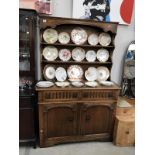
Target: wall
(126, 34)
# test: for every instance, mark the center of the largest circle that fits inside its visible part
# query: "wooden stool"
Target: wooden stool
(124, 131)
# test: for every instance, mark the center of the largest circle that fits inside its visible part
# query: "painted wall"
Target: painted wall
(125, 34)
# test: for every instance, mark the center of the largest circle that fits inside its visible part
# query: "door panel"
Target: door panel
(60, 120)
(96, 119)
(26, 124)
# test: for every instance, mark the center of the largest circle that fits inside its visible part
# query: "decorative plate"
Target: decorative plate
(106, 83)
(64, 38)
(49, 72)
(93, 39)
(62, 84)
(91, 56)
(60, 74)
(91, 74)
(78, 54)
(103, 73)
(64, 54)
(102, 55)
(50, 53)
(77, 84)
(75, 80)
(91, 84)
(44, 84)
(104, 39)
(75, 73)
(50, 35)
(79, 36)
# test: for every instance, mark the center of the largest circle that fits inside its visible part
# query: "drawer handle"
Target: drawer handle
(87, 118)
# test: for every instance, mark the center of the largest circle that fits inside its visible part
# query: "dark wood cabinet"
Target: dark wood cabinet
(66, 117)
(27, 99)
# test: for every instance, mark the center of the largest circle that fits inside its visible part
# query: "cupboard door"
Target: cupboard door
(96, 118)
(57, 120)
(26, 123)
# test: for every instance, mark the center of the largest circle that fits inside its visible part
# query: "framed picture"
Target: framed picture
(41, 6)
(104, 10)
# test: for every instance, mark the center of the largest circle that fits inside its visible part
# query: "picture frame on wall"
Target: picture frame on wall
(41, 6)
(104, 10)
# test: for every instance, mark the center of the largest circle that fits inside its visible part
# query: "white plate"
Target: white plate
(93, 39)
(91, 74)
(75, 72)
(78, 54)
(91, 84)
(60, 74)
(79, 36)
(77, 84)
(50, 35)
(64, 38)
(44, 84)
(103, 73)
(64, 54)
(50, 53)
(91, 56)
(107, 83)
(104, 39)
(102, 55)
(62, 84)
(49, 72)
(75, 80)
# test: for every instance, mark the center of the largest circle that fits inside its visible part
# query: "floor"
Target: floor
(89, 148)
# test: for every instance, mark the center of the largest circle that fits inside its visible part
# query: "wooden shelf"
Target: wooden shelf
(74, 45)
(75, 62)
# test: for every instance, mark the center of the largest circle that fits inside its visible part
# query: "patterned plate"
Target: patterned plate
(102, 55)
(44, 84)
(91, 74)
(50, 35)
(62, 84)
(64, 38)
(79, 36)
(50, 53)
(77, 84)
(78, 54)
(64, 54)
(103, 73)
(91, 83)
(49, 72)
(75, 72)
(60, 74)
(91, 56)
(93, 39)
(104, 39)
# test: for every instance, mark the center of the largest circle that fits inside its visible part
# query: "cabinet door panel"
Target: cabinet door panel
(59, 120)
(96, 119)
(26, 124)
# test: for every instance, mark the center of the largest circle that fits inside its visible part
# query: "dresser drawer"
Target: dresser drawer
(50, 96)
